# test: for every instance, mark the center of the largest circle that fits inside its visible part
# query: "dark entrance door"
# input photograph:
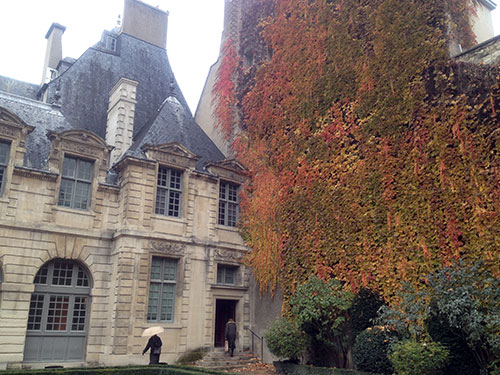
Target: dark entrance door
(224, 310)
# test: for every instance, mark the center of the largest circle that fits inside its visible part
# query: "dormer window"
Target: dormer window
(4, 160)
(76, 183)
(110, 43)
(168, 192)
(228, 204)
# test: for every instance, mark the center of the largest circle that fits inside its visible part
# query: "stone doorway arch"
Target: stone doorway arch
(58, 314)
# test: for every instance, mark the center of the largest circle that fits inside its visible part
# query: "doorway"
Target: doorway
(224, 310)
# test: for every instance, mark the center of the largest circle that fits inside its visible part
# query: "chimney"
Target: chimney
(145, 22)
(53, 53)
(121, 112)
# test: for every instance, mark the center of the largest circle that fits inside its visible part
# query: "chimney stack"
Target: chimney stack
(53, 53)
(145, 22)
(121, 113)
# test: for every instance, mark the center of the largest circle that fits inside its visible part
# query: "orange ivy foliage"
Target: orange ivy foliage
(373, 157)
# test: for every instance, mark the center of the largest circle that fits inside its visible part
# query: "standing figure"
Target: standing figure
(231, 335)
(154, 343)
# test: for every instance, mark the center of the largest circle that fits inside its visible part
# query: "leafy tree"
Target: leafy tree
(285, 340)
(464, 297)
(320, 309)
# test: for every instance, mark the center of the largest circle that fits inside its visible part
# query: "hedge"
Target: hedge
(136, 370)
(288, 368)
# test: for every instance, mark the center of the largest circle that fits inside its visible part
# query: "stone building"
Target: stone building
(117, 211)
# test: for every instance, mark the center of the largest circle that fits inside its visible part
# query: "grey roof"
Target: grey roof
(174, 123)
(85, 86)
(82, 92)
(13, 86)
(44, 118)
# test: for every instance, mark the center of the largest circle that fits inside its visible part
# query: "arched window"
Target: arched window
(58, 314)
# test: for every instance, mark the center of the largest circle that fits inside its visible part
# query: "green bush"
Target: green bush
(364, 309)
(370, 351)
(285, 340)
(287, 368)
(410, 357)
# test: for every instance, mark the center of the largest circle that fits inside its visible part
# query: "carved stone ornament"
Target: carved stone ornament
(227, 255)
(168, 247)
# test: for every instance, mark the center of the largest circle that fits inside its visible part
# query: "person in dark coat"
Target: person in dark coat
(154, 343)
(231, 335)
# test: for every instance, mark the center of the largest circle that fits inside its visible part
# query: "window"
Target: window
(227, 274)
(228, 204)
(58, 313)
(110, 43)
(168, 192)
(4, 160)
(60, 300)
(76, 183)
(162, 290)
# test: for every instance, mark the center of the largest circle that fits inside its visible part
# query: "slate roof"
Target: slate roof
(82, 91)
(13, 86)
(174, 123)
(44, 118)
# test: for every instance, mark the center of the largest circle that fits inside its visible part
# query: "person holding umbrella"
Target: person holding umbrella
(154, 343)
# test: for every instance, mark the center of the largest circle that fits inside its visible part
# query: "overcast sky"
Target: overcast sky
(193, 37)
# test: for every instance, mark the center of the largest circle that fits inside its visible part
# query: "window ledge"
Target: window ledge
(174, 219)
(75, 211)
(227, 228)
(165, 325)
(229, 287)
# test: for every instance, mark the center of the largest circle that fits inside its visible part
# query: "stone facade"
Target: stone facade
(81, 243)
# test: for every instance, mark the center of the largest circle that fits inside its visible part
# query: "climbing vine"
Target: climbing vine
(374, 157)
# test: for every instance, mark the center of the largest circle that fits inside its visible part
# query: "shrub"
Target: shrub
(285, 340)
(364, 309)
(370, 351)
(192, 356)
(410, 357)
(461, 360)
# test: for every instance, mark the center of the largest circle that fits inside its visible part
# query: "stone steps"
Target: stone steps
(220, 360)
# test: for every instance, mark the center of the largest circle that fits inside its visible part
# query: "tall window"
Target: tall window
(228, 204)
(4, 160)
(76, 183)
(168, 192)
(162, 290)
(60, 300)
(227, 274)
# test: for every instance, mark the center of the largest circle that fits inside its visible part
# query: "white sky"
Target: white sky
(193, 36)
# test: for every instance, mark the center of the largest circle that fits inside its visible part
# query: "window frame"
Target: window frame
(75, 180)
(222, 271)
(225, 203)
(4, 165)
(162, 283)
(165, 210)
(45, 293)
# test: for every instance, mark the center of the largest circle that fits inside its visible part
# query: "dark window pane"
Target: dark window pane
(4, 153)
(35, 313)
(57, 316)
(69, 167)
(168, 192)
(41, 276)
(162, 289)
(79, 314)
